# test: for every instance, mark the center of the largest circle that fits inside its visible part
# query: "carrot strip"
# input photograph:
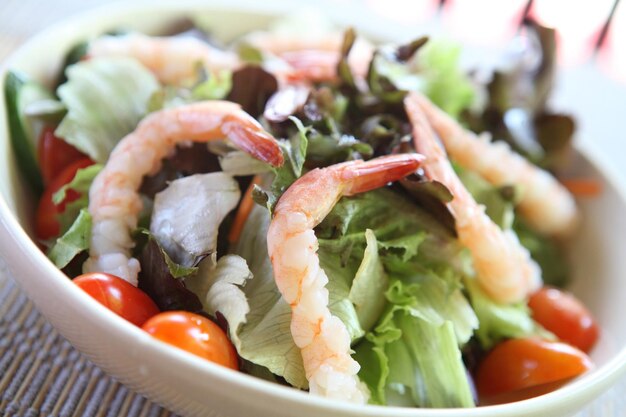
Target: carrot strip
(582, 187)
(245, 207)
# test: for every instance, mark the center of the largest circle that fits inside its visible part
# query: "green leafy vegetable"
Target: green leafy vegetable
(416, 258)
(156, 279)
(20, 93)
(343, 67)
(266, 335)
(294, 150)
(546, 252)
(499, 202)
(500, 321)
(250, 54)
(46, 110)
(186, 216)
(369, 282)
(216, 86)
(74, 241)
(105, 98)
(446, 84)
(219, 288)
(80, 184)
(414, 351)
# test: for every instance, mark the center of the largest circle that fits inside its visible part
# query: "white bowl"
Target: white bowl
(191, 386)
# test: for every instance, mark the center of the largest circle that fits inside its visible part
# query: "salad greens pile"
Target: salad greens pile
(399, 279)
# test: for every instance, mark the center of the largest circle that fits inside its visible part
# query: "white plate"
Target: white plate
(191, 386)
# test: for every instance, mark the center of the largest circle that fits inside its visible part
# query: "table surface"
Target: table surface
(42, 374)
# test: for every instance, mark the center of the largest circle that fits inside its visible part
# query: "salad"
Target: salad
(370, 223)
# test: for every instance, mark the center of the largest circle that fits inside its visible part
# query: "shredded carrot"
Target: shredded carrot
(245, 207)
(582, 187)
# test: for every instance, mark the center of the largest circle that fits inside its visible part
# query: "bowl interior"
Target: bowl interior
(596, 252)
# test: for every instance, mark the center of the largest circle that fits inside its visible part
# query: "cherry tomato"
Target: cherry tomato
(517, 364)
(565, 316)
(55, 154)
(195, 334)
(118, 296)
(46, 224)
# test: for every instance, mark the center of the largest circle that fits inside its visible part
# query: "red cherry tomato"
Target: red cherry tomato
(195, 334)
(118, 296)
(55, 154)
(46, 224)
(517, 364)
(565, 316)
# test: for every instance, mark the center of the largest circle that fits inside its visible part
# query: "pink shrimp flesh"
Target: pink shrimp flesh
(114, 202)
(292, 246)
(503, 266)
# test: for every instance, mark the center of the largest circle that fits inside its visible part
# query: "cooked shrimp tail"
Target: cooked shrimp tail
(367, 177)
(322, 338)
(114, 202)
(250, 137)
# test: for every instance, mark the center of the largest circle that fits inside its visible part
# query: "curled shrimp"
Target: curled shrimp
(171, 59)
(114, 202)
(545, 204)
(323, 338)
(503, 266)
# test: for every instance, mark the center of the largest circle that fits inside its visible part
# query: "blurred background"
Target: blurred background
(591, 85)
(591, 45)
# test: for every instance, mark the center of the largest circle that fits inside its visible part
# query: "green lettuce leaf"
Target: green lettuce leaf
(413, 353)
(219, 288)
(216, 86)
(546, 252)
(416, 258)
(74, 241)
(369, 282)
(447, 84)
(266, 335)
(105, 99)
(499, 202)
(501, 321)
(294, 150)
(80, 184)
(187, 214)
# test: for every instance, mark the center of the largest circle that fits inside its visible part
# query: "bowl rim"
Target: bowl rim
(21, 243)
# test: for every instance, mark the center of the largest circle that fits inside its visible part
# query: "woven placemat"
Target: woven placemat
(41, 374)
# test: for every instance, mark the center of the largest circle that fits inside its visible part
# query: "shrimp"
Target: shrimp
(503, 266)
(171, 59)
(314, 58)
(323, 338)
(174, 59)
(545, 204)
(114, 202)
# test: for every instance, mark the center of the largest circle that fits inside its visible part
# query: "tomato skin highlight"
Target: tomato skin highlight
(54, 155)
(565, 316)
(517, 364)
(46, 224)
(194, 334)
(119, 296)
